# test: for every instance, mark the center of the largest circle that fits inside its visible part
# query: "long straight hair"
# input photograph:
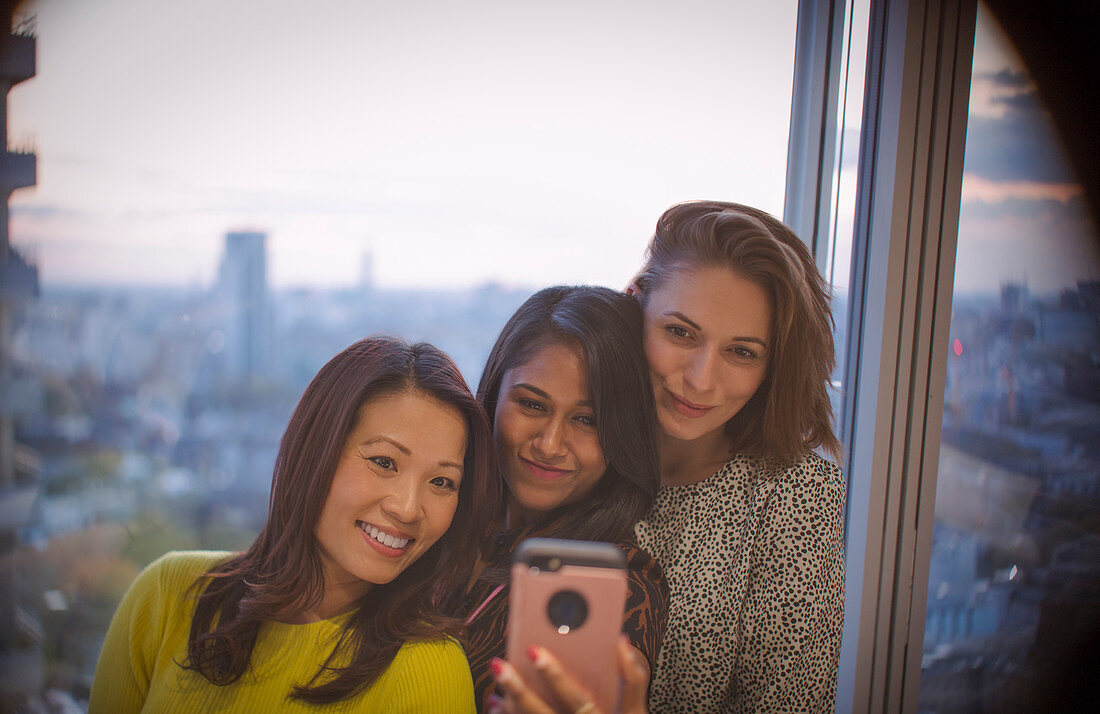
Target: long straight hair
(282, 572)
(604, 328)
(790, 412)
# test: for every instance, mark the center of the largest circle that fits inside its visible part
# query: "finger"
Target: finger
(495, 705)
(635, 672)
(519, 697)
(506, 706)
(569, 692)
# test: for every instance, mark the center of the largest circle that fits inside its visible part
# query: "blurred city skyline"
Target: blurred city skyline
(211, 180)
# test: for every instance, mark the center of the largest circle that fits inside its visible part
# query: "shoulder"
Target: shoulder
(440, 662)
(645, 615)
(159, 602)
(648, 589)
(640, 565)
(442, 656)
(444, 648)
(808, 502)
(179, 569)
(636, 558)
(816, 474)
(194, 562)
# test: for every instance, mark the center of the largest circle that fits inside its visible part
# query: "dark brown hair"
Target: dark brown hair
(282, 573)
(604, 327)
(790, 413)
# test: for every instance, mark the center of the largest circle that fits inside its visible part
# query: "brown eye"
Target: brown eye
(385, 462)
(531, 404)
(743, 353)
(677, 331)
(444, 483)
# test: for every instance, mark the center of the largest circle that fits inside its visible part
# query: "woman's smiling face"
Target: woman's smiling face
(545, 430)
(708, 341)
(394, 492)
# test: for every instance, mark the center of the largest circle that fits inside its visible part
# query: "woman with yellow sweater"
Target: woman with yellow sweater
(381, 484)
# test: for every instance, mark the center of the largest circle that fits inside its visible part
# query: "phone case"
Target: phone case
(550, 577)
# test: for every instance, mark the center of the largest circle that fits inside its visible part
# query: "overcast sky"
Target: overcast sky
(526, 143)
(458, 143)
(1023, 216)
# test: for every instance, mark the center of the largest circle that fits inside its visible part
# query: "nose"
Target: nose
(700, 371)
(549, 442)
(402, 502)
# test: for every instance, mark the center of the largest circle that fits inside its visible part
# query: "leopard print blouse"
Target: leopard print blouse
(487, 605)
(755, 567)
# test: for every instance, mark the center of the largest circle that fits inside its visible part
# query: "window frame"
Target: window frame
(908, 194)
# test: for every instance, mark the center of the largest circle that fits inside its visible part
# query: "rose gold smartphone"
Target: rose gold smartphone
(568, 596)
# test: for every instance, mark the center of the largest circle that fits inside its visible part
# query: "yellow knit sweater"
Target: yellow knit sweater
(139, 671)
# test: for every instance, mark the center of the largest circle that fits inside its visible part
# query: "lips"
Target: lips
(387, 543)
(687, 408)
(542, 471)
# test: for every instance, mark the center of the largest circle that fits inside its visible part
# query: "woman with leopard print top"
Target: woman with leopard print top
(748, 524)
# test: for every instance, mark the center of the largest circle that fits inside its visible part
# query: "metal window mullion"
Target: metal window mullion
(871, 369)
(863, 544)
(912, 367)
(953, 75)
(936, 187)
(811, 146)
(904, 230)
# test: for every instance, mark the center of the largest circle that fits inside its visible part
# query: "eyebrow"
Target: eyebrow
(692, 323)
(394, 442)
(681, 316)
(404, 449)
(543, 393)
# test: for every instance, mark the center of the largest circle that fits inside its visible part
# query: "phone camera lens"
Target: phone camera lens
(567, 610)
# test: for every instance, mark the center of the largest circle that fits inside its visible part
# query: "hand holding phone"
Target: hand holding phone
(568, 597)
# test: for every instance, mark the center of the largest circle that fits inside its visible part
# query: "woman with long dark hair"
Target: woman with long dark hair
(382, 488)
(567, 390)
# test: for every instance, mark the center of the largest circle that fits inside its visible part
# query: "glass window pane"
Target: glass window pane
(837, 258)
(1014, 581)
(226, 197)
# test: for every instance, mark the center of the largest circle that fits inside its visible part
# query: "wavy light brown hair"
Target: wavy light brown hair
(790, 413)
(282, 573)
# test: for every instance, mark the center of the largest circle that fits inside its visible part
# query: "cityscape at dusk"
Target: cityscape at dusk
(212, 202)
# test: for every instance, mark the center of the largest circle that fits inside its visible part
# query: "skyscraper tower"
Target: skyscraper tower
(242, 286)
(20, 627)
(18, 277)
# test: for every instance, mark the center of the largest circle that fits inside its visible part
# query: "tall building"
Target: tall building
(242, 287)
(366, 270)
(18, 276)
(20, 626)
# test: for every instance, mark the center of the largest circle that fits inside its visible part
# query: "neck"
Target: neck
(339, 597)
(684, 462)
(515, 515)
